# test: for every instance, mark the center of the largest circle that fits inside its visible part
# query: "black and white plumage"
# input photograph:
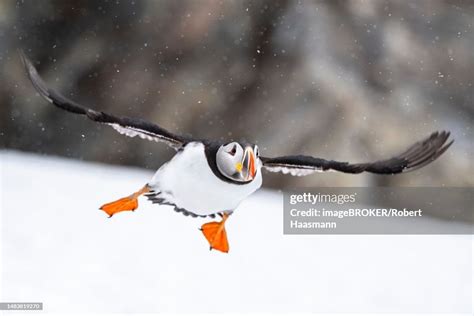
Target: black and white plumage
(417, 156)
(209, 177)
(128, 126)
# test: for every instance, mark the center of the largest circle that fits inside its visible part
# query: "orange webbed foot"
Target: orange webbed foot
(124, 204)
(216, 235)
(129, 203)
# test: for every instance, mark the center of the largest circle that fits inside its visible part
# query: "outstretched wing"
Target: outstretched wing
(124, 125)
(418, 155)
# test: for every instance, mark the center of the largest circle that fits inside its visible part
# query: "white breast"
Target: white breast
(188, 182)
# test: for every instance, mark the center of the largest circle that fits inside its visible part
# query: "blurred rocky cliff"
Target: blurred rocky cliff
(347, 80)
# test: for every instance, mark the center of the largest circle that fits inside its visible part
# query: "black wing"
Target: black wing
(128, 126)
(418, 155)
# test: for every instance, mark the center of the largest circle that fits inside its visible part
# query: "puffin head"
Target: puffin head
(237, 162)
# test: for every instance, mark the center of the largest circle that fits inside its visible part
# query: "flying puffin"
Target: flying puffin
(206, 178)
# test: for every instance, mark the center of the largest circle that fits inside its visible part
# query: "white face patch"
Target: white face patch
(237, 163)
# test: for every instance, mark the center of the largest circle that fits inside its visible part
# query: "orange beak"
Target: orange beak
(249, 163)
(252, 169)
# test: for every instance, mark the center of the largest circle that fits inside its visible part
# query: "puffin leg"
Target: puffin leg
(129, 203)
(216, 235)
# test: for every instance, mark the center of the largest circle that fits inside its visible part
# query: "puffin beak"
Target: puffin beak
(248, 164)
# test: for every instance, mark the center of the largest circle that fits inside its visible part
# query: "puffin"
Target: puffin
(210, 178)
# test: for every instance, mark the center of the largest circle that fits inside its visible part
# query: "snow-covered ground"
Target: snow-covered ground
(59, 249)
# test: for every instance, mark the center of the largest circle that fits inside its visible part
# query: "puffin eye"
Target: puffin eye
(233, 151)
(256, 151)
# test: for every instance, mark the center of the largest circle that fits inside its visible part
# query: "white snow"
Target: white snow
(59, 249)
